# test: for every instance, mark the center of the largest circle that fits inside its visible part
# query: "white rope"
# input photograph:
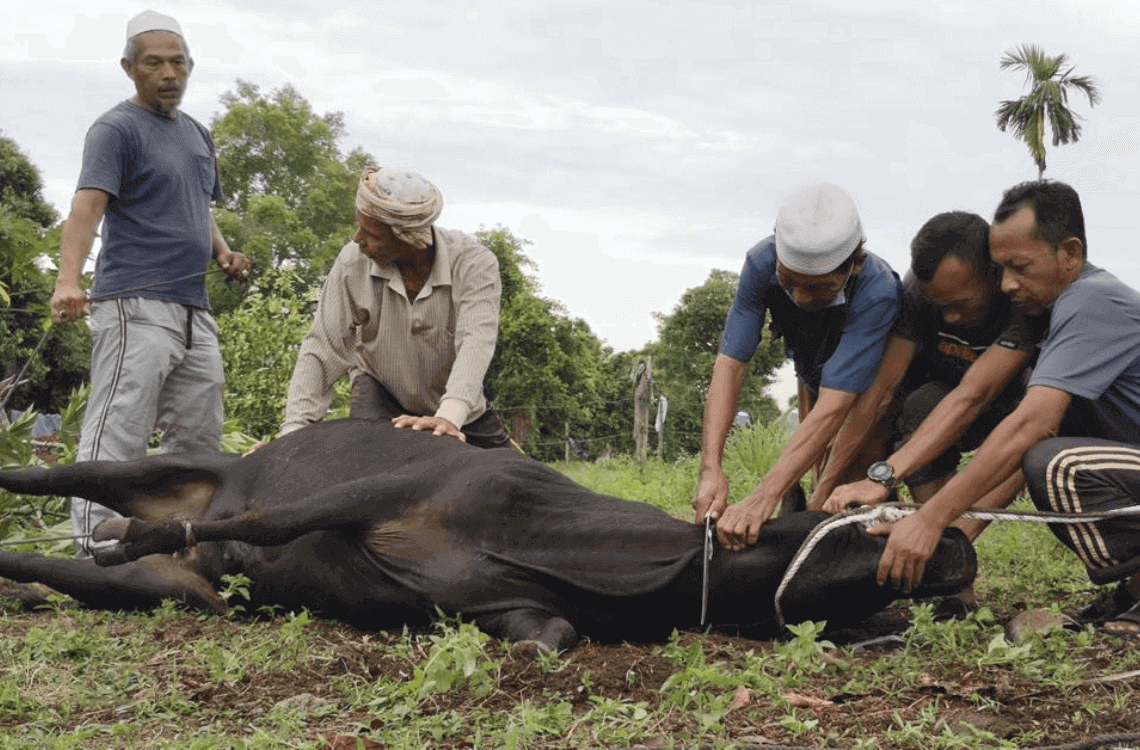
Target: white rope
(891, 512)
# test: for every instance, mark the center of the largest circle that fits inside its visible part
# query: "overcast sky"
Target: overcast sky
(637, 144)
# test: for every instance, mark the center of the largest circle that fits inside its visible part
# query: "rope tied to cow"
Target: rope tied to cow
(872, 515)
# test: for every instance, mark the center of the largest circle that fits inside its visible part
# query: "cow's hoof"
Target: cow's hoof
(137, 538)
(111, 555)
(111, 530)
(531, 649)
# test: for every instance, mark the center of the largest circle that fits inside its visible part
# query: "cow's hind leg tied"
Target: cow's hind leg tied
(137, 538)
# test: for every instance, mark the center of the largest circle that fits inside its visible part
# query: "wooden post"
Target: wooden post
(641, 410)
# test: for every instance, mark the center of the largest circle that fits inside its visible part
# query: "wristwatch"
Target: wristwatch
(882, 473)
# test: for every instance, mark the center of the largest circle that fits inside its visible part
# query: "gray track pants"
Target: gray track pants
(154, 364)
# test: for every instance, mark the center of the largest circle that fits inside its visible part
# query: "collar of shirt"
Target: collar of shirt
(440, 269)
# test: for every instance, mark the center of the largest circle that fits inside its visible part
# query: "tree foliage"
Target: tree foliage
(291, 190)
(26, 244)
(551, 375)
(1046, 105)
(683, 356)
(21, 187)
(259, 342)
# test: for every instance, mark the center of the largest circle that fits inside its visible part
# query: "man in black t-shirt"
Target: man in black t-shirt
(955, 366)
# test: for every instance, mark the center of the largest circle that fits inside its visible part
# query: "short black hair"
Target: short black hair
(1056, 206)
(959, 234)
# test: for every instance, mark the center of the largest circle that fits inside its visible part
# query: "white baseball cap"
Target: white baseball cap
(817, 229)
(149, 20)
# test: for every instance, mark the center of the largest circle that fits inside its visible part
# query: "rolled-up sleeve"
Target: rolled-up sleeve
(324, 357)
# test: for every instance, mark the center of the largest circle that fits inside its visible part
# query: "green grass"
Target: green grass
(71, 678)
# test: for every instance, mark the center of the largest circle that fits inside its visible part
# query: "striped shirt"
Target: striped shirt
(431, 354)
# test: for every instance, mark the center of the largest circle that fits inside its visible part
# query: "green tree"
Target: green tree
(291, 190)
(683, 356)
(1046, 105)
(27, 242)
(549, 369)
(21, 186)
(259, 342)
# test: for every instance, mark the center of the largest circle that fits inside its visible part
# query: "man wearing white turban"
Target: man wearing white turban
(410, 312)
(149, 174)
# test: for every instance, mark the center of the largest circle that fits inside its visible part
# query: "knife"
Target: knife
(706, 558)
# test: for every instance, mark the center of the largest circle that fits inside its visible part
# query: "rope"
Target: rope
(194, 275)
(891, 512)
(23, 370)
(16, 383)
(69, 537)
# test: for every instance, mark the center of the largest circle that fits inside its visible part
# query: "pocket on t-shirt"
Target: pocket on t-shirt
(206, 173)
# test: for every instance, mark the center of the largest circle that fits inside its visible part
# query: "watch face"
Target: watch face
(881, 471)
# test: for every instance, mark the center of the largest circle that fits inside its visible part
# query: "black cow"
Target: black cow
(378, 527)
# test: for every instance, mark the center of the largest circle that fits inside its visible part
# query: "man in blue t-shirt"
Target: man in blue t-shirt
(149, 175)
(1086, 382)
(834, 304)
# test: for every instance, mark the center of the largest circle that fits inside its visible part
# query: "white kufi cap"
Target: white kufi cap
(148, 20)
(817, 229)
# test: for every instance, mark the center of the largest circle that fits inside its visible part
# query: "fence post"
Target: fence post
(641, 410)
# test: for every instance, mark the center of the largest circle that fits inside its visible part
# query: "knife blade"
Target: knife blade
(706, 558)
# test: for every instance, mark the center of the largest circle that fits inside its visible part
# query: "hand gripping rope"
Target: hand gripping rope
(891, 512)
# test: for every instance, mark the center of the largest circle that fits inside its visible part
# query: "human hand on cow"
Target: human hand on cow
(711, 497)
(911, 544)
(863, 492)
(436, 425)
(739, 526)
(68, 303)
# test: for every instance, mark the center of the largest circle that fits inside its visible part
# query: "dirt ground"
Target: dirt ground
(1020, 705)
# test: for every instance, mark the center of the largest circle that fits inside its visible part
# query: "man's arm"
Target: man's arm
(476, 295)
(740, 524)
(865, 414)
(323, 358)
(720, 407)
(981, 384)
(913, 539)
(68, 302)
(233, 264)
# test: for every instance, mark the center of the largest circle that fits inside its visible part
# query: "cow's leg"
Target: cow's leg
(358, 505)
(140, 585)
(530, 630)
(153, 489)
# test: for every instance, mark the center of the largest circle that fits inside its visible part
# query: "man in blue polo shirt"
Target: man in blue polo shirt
(149, 175)
(1086, 383)
(834, 304)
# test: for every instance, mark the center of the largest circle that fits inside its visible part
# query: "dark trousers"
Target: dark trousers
(371, 400)
(1087, 475)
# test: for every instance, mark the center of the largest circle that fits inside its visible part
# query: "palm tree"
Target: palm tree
(1047, 101)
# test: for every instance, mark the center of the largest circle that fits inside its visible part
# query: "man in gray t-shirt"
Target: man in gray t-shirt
(1087, 378)
(149, 175)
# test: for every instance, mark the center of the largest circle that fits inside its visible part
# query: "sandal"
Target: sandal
(1106, 607)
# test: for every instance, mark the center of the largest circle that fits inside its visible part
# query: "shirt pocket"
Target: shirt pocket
(206, 173)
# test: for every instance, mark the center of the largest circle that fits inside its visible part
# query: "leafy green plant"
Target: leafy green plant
(457, 657)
